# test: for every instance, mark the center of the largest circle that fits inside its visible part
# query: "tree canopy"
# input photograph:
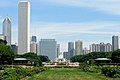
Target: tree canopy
(90, 56)
(4, 42)
(44, 58)
(116, 56)
(6, 54)
(32, 57)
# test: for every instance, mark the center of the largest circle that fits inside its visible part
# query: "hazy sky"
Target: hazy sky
(68, 20)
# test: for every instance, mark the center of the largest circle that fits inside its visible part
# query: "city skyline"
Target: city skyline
(68, 20)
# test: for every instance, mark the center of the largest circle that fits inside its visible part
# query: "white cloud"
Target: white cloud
(57, 29)
(109, 6)
(62, 31)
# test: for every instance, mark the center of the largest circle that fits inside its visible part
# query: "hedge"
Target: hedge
(19, 72)
(113, 72)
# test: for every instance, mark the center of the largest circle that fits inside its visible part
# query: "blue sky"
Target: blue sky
(91, 21)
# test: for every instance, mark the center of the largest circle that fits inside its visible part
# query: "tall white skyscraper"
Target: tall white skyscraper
(23, 27)
(7, 30)
(78, 48)
(115, 43)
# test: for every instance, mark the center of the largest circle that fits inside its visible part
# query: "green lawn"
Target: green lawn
(68, 74)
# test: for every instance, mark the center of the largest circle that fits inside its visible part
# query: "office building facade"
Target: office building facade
(48, 47)
(23, 27)
(58, 50)
(71, 50)
(115, 43)
(78, 47)
(33, 39)
(7, 30)
(102, 47)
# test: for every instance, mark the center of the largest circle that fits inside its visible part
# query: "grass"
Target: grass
(68, 74)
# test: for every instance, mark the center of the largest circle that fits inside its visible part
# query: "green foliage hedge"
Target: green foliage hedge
(19, 72)
(113, 72)
(110, 71)
(89, 68)
(90, 56)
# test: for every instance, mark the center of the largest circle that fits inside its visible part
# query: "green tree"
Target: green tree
(116, 56)
(4, 42)
(44, 58)
(6, 54)
(91, 56)
(33, 57)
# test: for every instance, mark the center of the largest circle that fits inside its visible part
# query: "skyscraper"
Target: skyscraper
(33, 44)
(108, 47)
(7, 30)
(101, 47)
(14, 48)
(115, 43)
(70, 49)
(33, 47)
(48, 47)
(34, 39)
(78, 48)
(23, 27)
(85, 51)
(65, 55)
(58, 50)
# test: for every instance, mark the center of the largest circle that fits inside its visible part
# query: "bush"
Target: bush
(19, 72)
(89, 68)
(113, 72)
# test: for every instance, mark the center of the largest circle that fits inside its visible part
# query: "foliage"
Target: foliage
(44, 58)
(19, 72)
(3, 42)
(68, 74)
(6, 54)
(32, 57)
(111, 71)
(90, 56)
(90, 68)
(116, 56)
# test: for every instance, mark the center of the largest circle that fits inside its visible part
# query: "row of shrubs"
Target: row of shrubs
(113, 72)
(110, 71)
(19, 72)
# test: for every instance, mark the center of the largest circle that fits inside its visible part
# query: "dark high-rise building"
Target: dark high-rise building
(14, 48)
(65, 55)
(70, 49)
(34, 39)
(58, 50)
(115, 43)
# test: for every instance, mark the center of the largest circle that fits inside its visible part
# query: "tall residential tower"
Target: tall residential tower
(78, 48)
(23, 27)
